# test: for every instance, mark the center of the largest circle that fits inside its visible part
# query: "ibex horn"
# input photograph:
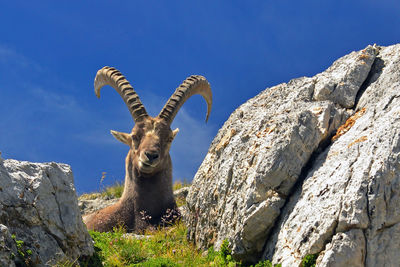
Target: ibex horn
(193, 85)
(111, 76)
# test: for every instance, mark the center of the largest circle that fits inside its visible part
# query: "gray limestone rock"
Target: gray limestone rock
(91, 205)
(345, 249)
(275, 186)
(353, 185)
(182, 192)
(38, 205)
(341, 81)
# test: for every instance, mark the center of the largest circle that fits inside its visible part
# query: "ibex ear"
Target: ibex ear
(175, 132)
(122, 137)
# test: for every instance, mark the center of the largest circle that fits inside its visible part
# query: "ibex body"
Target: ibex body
(148, 167)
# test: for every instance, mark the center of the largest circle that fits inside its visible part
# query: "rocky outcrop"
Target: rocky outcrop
(88, 206)
(39, 211)
(181, 192)
(277, 184)
(348, 208)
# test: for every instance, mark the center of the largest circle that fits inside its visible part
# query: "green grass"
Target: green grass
(309, 260)
(24, 254)
(164, 247)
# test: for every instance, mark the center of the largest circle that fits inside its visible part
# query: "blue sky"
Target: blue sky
(50, 52)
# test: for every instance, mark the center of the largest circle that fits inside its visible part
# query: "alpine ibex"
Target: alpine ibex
(148, 178)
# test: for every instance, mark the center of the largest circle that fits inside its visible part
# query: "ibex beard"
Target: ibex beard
(147, 198)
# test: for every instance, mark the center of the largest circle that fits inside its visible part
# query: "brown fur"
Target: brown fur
(144, 191)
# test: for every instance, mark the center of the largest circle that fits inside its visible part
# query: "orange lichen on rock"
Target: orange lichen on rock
(348, 124)
(266, 131)
(225, 140)
(361, 139)
(363, 56)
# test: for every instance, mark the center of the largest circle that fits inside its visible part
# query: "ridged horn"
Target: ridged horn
(114, 78)
(193, 85)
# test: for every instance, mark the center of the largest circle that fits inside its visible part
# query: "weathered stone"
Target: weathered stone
(182, 192)
(353, 184)
(259, 154)
(345, 249)
(38, 205)
(91, 205)
(250, 190)
(341, 81)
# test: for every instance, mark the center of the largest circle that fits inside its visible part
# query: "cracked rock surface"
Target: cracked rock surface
(348, 208)
(277, 187)
(38, 205)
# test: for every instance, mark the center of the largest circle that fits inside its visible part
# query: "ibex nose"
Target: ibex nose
(151, 155)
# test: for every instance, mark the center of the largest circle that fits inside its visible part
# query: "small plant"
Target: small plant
(225, 251)
(223, 257)
(24, 253)
(180, 201)
(309, 260)
(113, 191)
(66, 263)
(103, 176)
(180, 184)
(266, 263)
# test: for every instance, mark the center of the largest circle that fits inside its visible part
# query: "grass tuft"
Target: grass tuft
(309, 260)
(178, 184)
(113, 191)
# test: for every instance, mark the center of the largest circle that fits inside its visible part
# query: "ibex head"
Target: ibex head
(151, 138)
